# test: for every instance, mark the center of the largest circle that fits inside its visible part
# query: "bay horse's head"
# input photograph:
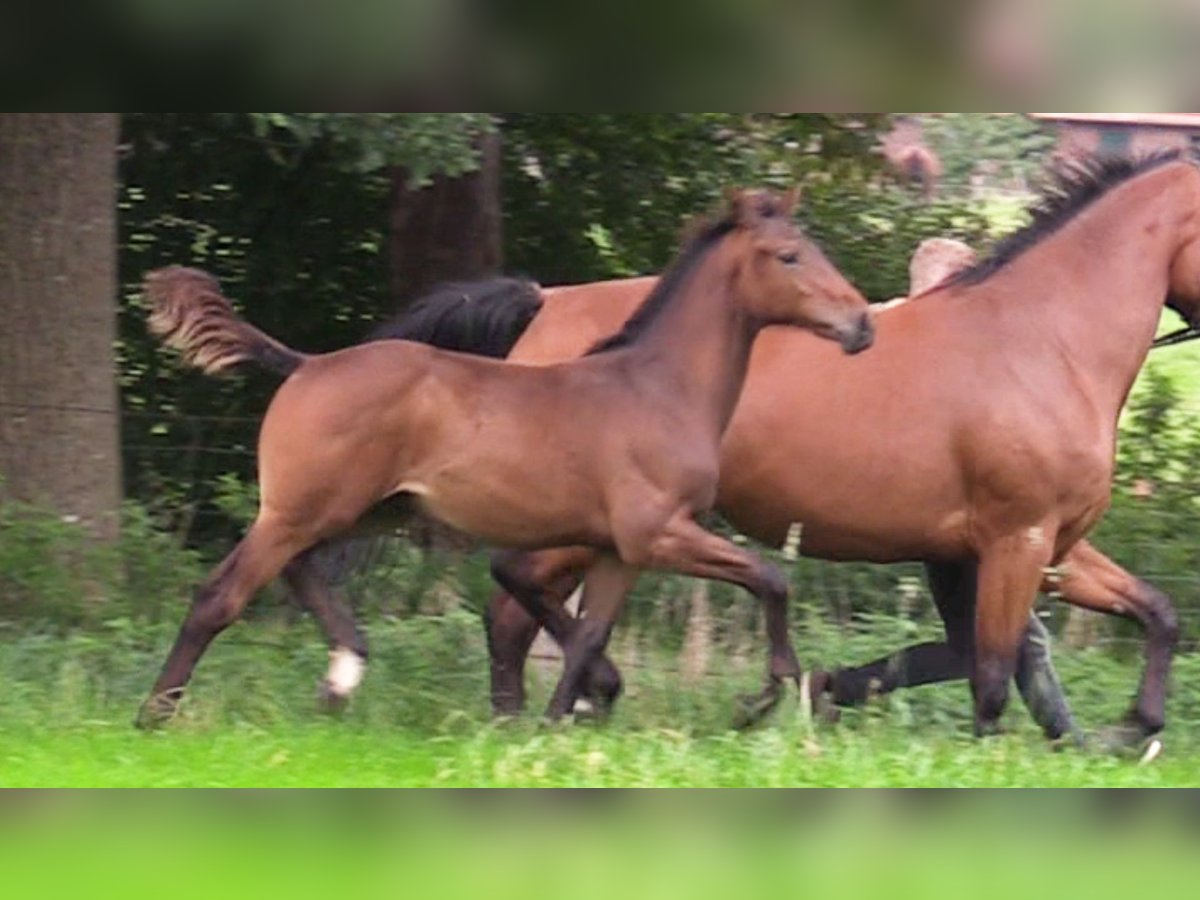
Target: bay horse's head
(785, 279)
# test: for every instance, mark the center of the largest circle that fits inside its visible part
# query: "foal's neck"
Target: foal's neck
(698, 347)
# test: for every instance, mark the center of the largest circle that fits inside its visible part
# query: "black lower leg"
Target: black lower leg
(1039, 685)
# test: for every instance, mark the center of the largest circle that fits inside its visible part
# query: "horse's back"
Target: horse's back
(574, 317)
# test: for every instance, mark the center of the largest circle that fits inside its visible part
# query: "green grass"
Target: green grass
(421, 720)
(325, 754)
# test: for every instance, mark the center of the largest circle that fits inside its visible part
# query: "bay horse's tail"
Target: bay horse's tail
(485, 318)
(188, 312)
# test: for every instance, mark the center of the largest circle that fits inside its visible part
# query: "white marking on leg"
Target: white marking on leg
(1153, 749)
(806, 702)
(1037, 537)
(584, 707)
(345, 671)
(791, 546)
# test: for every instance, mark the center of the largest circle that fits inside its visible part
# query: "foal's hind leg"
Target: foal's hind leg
(347, 646)
(685, 547)
(218, 603)
(1092, 580)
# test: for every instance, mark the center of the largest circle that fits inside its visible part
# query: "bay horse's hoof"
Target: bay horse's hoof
(1128, 739)
(824, 710)
(157, 711)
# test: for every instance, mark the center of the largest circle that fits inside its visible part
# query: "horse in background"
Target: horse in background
(997, 394)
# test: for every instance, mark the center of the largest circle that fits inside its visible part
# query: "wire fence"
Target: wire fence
(175, 459)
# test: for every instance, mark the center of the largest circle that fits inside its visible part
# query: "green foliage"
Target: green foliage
(600, 195)
(870, 229)
(1006, 148)
(54, 575)
(424, 144)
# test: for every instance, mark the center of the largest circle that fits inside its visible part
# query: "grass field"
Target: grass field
(421, 720)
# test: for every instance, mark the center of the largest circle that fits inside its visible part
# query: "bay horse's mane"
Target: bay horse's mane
(484, 317)
(701, 237)
(1070, 190)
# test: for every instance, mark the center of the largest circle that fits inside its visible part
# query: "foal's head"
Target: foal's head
(785, 279)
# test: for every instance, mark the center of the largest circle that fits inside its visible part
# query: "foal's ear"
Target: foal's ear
(790, 200)
(749, 207)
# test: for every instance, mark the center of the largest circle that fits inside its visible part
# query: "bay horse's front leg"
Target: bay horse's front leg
(685, 547)
(539, 585)
(1010, 571)
(1090, 579)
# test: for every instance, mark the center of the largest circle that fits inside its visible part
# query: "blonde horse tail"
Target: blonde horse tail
(188, 312)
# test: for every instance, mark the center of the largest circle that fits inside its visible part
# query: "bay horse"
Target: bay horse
(616, 451)
(977, 437)
(1010, 441)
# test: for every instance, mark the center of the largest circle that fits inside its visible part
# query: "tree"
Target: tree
(446, 230)
(58, 267)
(444, 222)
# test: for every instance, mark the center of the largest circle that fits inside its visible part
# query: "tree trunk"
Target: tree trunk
(59, 444)
(448, 231)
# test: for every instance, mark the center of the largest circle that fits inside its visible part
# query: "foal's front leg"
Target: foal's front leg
(605, 587)
(541, 582)
(684, 547)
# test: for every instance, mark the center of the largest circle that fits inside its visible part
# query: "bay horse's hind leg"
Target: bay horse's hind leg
(953, 589)
(218, 603)
(953, 586)
(1092, 580)
(510, 634)
(347, 645)
(685, 547)
(540, 583)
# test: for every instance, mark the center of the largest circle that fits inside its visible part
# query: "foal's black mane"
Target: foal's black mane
(1071, 190)
(703, 240)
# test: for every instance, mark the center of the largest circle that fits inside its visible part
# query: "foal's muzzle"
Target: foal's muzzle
(858, 337)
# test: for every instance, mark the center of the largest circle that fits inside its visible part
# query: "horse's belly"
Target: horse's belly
(879, 525)
(944, 539)
(504, 518)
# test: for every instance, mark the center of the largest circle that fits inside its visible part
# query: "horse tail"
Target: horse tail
(188, 312)
(485, 318)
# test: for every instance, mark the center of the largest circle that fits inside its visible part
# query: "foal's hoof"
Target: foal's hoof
(329, 701)
(157, 711)
(589, 710)
(753, 708)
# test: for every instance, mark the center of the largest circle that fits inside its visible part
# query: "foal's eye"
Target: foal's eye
(789, 257)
